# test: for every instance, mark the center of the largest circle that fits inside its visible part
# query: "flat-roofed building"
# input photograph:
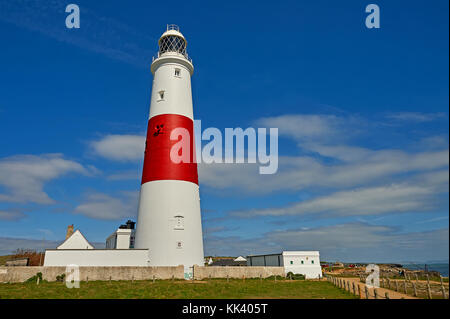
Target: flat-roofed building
(298, 262)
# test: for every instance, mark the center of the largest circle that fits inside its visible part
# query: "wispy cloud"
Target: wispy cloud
(11, 215)
(24, 176)
(415, 116)
(119, 147)
(99, 34)
(109, 207)
(395, 198)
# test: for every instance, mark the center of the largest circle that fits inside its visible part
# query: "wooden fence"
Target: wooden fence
(353, 287)
(413, 287)
(416, 288)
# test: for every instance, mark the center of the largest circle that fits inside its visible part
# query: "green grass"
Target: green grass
(3, 259)
(166, 289)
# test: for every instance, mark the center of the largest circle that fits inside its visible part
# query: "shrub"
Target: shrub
(291, 275)
(35, 278)
(60, 278)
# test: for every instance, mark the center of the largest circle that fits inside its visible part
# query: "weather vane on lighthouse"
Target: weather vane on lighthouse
(169, 218)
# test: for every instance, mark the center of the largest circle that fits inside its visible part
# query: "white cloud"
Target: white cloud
(364, 201)
(103, 206)
(415, 116)
(24, 176)
(305, 172)
(125, 175)
(305, 127)
(120, 147)
(11, 215)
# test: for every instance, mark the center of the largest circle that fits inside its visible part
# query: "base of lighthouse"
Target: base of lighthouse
(169, 223)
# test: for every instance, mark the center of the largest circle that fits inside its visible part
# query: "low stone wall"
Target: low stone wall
(20, 274)
(201, 272)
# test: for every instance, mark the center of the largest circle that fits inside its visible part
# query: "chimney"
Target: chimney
(69, 231)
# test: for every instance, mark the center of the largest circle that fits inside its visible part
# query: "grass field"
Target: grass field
(166, 289)
(3, 259)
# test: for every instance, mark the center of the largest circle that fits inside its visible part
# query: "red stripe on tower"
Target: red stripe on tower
(157, 162)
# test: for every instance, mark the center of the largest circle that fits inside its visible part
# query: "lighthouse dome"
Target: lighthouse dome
(172, 40)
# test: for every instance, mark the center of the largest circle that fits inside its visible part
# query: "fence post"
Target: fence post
(415, 289)
(389, 283)
(354, 288)
(406, 289)
(417, 277)
(153, 278)
(386, 295)
(132, 279)
(260, 277)
(429, 291)
(396, 285)
(443, 289)
(375, 293)
(367, 292)
(228, 278)
(87, 279)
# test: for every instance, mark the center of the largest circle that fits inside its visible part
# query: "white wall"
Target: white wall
(97, 257)
(303, 262)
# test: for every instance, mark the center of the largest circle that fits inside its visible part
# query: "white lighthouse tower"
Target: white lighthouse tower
(169, 218)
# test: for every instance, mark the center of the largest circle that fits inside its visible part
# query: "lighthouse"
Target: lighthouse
(169, 217)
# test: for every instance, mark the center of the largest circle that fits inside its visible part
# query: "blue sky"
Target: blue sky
(362, 116)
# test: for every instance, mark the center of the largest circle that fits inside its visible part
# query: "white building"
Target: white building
(298, 262)
(240, 258)
(122, 238)
(77, 250)
(75, 241)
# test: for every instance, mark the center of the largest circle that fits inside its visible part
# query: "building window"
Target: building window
(292, 262)
(179, 245)
(303, 262)
(177, 72)
(312, 261)
(161, 95)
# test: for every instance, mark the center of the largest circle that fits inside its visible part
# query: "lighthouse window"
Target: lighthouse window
(177, 72)
(179, 222)
(161, 95)
(179, 245)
